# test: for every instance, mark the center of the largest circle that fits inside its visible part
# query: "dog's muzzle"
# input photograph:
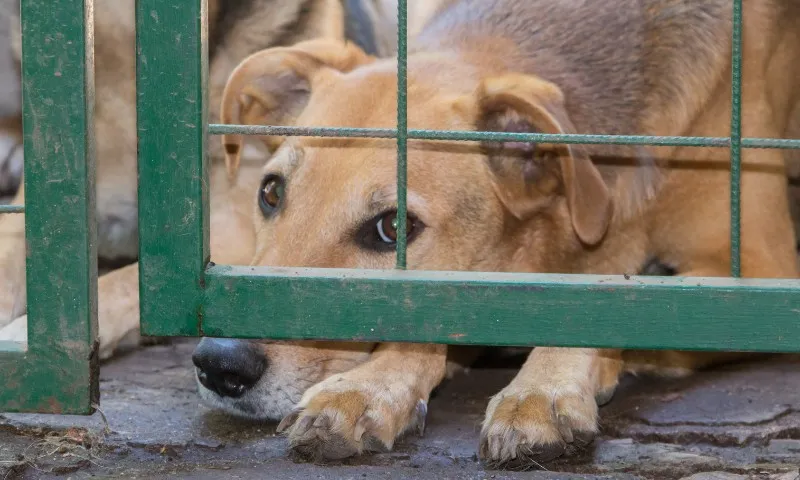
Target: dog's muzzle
(228, 367)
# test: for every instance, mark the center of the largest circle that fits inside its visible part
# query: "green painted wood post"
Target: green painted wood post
(57, 373)
(171, 82)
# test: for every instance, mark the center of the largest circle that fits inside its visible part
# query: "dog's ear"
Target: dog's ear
(272, 87)
(526, 174)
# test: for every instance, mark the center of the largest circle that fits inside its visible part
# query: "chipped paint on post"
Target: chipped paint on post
(171, 72)
(58, 371)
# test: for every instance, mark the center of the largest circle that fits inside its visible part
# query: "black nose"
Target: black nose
(228, 367)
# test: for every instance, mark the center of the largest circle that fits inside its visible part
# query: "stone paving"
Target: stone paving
(738, 422)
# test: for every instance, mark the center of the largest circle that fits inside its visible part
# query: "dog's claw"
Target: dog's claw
(565, 429)
(363, 425)
(421, 416)
(289, 420)
(305, 424)
(322, 421)
(604, 396)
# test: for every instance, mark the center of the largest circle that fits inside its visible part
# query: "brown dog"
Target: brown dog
(654, 67)
(236, 29)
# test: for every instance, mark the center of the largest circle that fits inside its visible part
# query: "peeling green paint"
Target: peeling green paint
(57, 373)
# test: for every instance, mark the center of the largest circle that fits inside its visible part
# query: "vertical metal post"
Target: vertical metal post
(172, 121)
(736, 140)
(402, 131)
(58, 372)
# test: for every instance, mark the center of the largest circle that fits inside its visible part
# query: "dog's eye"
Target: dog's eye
(380, 233)
(270, 194)
(387, 228)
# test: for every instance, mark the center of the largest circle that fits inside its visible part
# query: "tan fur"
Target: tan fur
(295, 365)
(504, 208)
(256, 25)
(267, 23)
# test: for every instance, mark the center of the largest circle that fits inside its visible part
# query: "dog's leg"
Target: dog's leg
(12, 226)
(117, 311)
(672, 363)
(12, 263)
(16, 331)
(676, 364)
(550, 407)
(117, 308)
(368, 407)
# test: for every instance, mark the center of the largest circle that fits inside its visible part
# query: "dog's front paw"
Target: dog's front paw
(339, 418)
(524, 429)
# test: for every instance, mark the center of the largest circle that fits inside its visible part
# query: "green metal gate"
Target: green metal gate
(183, 294)
(57, 371)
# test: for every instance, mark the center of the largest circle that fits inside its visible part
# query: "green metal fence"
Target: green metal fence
(56, 371)
(183, 294)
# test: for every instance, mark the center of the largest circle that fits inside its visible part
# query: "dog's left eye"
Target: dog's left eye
(270, 194)
(380, 233)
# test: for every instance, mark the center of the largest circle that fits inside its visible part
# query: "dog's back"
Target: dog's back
(615, 61)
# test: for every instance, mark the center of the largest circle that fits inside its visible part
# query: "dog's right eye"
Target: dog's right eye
(270, 194)
(380, 233)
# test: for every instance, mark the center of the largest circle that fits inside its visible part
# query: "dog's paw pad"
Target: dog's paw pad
(524, 431)
(324, 437)
(313, 438)
(335, 425)
(514, 452)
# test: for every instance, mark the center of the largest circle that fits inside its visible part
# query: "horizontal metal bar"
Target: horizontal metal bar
(502, 309)
(569, 138)
(12, 208)
(338, 132)
(341, 132)
(217, 129)
(782, 143)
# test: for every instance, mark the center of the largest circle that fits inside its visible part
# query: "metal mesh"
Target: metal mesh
(735, 142)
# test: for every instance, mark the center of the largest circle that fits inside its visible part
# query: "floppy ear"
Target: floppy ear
(272, 87)
(526, 173)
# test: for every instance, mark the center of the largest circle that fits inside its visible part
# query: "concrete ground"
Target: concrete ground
(737, 422)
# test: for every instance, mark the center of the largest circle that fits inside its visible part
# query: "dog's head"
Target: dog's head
(331, 202)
